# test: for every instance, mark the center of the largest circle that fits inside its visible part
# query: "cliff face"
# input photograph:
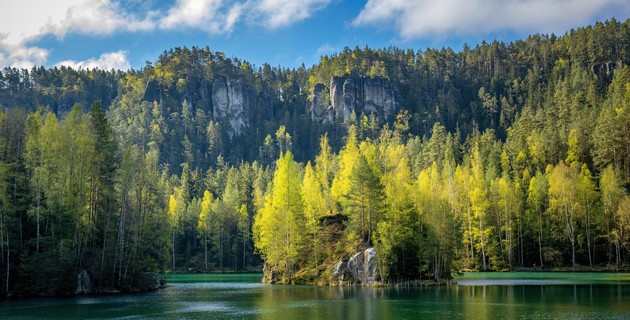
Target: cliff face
(229, 100)
(230, 105)
(352, 93)
(321, 111)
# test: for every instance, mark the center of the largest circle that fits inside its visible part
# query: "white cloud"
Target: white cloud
(421, 19)
(200, 14)
(233, 15)
(99, 17)
(221, 16)
(107, 61)
(279, 13)
(26, 21)
(325, 49)
(21, 56)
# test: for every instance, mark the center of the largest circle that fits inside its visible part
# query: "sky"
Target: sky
(124, 34)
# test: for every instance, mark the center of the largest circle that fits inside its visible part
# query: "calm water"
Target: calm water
(233, 296)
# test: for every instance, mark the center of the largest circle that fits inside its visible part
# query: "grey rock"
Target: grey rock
(355, 266)
(151, 91)
(204, 101)
(336, 96)
(369, 262)
(341, 267)
(321, 111)
(361, 268)
(84, 284)
(379, 97)
(350, 94)
(230, 106)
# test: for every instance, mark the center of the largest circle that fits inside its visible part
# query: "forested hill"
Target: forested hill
(490, 158)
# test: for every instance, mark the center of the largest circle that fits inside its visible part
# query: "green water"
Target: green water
(242, 296)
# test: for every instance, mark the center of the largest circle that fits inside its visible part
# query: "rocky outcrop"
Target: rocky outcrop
(361, 268)
(350, 94)
(606, 69)
(230, 105)
(146, 281)
(149, 281)
(321, 111)
(228, 99)
(84, 284)
(151, 91)
(270, 276)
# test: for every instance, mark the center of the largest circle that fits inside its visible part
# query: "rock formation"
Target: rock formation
(84, 284)
(151, 91)
(228, 100)
(146, 281)
(360, 268)
(321, 111)
(230, 106)
(353, 94)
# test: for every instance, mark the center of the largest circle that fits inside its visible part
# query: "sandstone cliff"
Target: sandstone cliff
(230, 105)
(353, 94)
(229, 100)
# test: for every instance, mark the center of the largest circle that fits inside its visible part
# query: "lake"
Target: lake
(241, 296)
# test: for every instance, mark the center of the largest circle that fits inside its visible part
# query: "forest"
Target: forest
(498, 157)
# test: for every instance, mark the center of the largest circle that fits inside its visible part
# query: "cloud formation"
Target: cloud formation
(25, 21)
(202, 14)
(19, 56)
(279, 13)
(28, 20)
(414, 19)
(107, 61)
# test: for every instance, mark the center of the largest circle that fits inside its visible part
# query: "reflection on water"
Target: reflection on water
(213, 298)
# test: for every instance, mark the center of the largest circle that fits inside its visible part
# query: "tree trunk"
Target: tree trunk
(173, 249)
(244, 254)
(573, 251)
(206, 249)
(470, 238)
(483, 249)
(540, 240)
(8, 264)
(588, 239)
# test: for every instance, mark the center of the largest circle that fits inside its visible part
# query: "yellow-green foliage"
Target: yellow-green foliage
(279, 226)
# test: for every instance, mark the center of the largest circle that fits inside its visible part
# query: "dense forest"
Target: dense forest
(496, 157)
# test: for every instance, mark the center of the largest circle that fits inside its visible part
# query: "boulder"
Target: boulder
(341, 268)
(270, 276)
(361, 268)
(150, 281)
(84, 284)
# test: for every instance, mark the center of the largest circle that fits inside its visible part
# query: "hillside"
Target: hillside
(496, 157)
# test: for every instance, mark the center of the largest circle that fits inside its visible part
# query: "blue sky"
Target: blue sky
(125, 34)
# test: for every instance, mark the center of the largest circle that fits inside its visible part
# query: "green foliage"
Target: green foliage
(500, 156)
